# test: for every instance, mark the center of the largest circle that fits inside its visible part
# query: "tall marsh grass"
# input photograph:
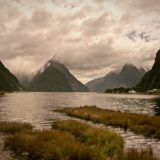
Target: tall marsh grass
(141, 124)
(104, 142)
(49, 145)
(68, 140)
(13, 127)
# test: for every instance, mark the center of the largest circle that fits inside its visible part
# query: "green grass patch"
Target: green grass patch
(141, 124)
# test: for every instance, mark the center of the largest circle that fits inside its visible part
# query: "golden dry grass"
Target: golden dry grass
(68, 140)
(49, 145)
(13, 127)
(141, 124)
(104, 142)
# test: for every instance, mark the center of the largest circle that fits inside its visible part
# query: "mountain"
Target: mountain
(129, 76)
(151, 80)
(55, 77)
(8, 82)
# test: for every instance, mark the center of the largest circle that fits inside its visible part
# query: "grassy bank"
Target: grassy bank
(13, 127)
(67, 140)
(104, 142)
(141, 124)
(49, 145)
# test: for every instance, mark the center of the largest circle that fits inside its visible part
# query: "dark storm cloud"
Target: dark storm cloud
(88, 36)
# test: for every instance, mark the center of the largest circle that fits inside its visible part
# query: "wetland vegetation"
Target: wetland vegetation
(141, 124)
(67, 140)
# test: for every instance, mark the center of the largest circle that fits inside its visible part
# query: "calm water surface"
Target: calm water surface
(38, 109)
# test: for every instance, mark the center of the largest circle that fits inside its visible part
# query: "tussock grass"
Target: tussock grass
(141, 124)
(68, 140)
(13, 127)
(104, 142)
(50, 145)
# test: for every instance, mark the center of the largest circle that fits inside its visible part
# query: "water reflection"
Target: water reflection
(157, 106)
(37, 108)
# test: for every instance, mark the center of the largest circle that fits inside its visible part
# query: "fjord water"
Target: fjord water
(37, 108)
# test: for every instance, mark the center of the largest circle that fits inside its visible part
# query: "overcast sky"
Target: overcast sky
(91, 37)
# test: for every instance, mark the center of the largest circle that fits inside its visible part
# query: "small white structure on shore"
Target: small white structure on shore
(154, 91)
(132, 91)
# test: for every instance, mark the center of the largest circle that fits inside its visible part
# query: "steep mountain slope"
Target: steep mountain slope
(151, 80)
(129, 76)
(55, 77)
(95, 84)
(8, 82)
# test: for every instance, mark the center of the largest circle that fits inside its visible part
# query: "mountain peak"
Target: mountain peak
(58, 65)
(158, 52)
(1, 64)
(151, 80)
(128, 66)
(128, 76)
(53, 63)
(157, 59)
(58, 78)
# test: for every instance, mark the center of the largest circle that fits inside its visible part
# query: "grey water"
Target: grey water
(38, 109)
